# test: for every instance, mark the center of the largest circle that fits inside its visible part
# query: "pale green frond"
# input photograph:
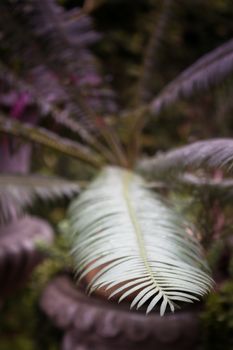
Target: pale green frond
(138, 244)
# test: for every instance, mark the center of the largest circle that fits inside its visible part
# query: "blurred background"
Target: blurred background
(110, 55)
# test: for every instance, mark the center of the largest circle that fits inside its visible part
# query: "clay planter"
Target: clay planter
(91, 323)
(18, 251)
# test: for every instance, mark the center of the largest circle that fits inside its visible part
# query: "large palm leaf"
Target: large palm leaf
(137, 243)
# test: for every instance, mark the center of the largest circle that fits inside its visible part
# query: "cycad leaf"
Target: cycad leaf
(211, 153)
(130, 234)
(208, 71)
(19, 191)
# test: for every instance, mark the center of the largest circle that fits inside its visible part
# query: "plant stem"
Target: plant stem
(134, 142)
(51, 140)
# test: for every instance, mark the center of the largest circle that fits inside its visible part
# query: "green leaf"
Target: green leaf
(135, 240)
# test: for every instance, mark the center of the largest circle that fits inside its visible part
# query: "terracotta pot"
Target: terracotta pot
(18, 251)
(102, 292)
(96, 324)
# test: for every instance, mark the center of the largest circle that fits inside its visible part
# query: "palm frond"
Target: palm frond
(208, 71)
(19, 191)
(212, 153)
(137, 242)
(49, 139)
(151, 59)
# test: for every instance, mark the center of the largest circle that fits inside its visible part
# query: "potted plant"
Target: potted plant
(127, 240)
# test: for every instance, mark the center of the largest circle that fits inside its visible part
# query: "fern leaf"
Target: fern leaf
(212, 153)
(137, 242)
(19, 191)
(208, 71)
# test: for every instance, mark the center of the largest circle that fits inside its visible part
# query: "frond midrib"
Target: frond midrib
(127, 176)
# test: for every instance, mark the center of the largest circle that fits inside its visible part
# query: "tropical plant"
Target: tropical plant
(121, 225)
